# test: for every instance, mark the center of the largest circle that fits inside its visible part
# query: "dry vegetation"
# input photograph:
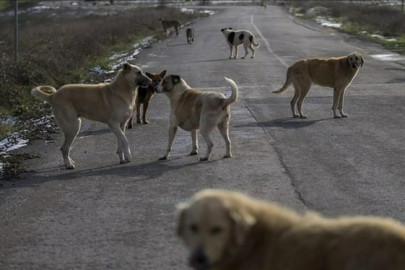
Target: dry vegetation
(56, 50)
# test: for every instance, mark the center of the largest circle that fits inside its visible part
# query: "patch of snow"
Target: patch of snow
(12, 142)
(384, 38)
(324, 22)
(388, 57)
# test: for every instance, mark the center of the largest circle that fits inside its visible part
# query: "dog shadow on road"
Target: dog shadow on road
(286, 123)
(131, 172)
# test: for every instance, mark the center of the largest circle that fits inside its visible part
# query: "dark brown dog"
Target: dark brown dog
(144, 96)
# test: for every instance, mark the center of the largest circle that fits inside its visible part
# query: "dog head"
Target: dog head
(212, 227)
(135, 75)
(168, 83)
(223, 30)
(355, 60)
(156, 78)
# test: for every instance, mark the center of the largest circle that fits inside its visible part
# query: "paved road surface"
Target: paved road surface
(108, 216)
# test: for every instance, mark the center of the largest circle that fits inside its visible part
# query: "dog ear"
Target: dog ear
(162, 74)
(176, 79)
(242, 223)
(126, 67)
(180, 214)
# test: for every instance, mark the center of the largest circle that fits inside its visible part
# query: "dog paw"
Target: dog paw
(337, 116)
(138, 121)
(303, 116)
(124, 161)
(344, 115)
(203, 159)
(296, 116)
(145, 122)
(193, 153)
(228, 156)
(70, 167)
(163, 158)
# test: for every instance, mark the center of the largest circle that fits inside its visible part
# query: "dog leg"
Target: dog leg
(340, 107)
(304, 92)
(130, 123)
(194, 138)
(336, 96)
(70, 130)
(246, 50)
(253, 50)
(123, 151)
(172, 133)
(207, 124)
(236, 52)
(138, 113)
(145, 108)
(293, 103)
(230, 47)
(224, 130)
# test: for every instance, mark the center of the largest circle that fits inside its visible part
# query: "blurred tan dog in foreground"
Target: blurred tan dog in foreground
(193, 110)
(337, 73)
(110, 103)
(225, 230)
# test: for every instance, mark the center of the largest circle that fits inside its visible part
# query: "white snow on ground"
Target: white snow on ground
(325, 22)
(384, 38)
(388, 57)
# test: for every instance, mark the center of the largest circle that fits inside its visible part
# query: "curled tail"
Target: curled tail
(39, 93)
(287, 82)
(252, 40)
(234, 95)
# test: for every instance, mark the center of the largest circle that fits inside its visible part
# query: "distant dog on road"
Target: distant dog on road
(145, 94)
(225, 230)
(111, 103)
(194, 110)
(337, 73)
(190, 35)
(235, 38)
(168, 24)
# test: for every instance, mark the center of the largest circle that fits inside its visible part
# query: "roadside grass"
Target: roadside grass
(362, 20)
(57, 50)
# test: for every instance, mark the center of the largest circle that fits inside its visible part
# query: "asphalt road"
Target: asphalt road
(103, 215)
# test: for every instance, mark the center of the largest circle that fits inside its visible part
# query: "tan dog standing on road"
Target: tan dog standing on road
(110, 103)
(225, 230)
(168, 24)
(193, 109)
(235, 38)
(144, 95)
(337, 73)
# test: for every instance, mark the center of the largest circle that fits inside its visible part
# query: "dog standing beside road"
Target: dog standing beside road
(190, 35)
(111, 103)
(225, 230)
(193, 109)
(337, 73)
(145, 94)
(168, 24)
(235, 38)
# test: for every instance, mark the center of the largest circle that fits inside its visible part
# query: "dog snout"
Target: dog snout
(199, 259)
(159, 88)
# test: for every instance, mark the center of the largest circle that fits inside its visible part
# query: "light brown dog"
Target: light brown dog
(192, 109)
(144, 95)
(110, 103)
(225, 230)
(337, 73)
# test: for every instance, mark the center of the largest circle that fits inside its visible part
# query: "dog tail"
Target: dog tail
(287, 82)
(234, 95)
(252, 40)
(39, 93)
